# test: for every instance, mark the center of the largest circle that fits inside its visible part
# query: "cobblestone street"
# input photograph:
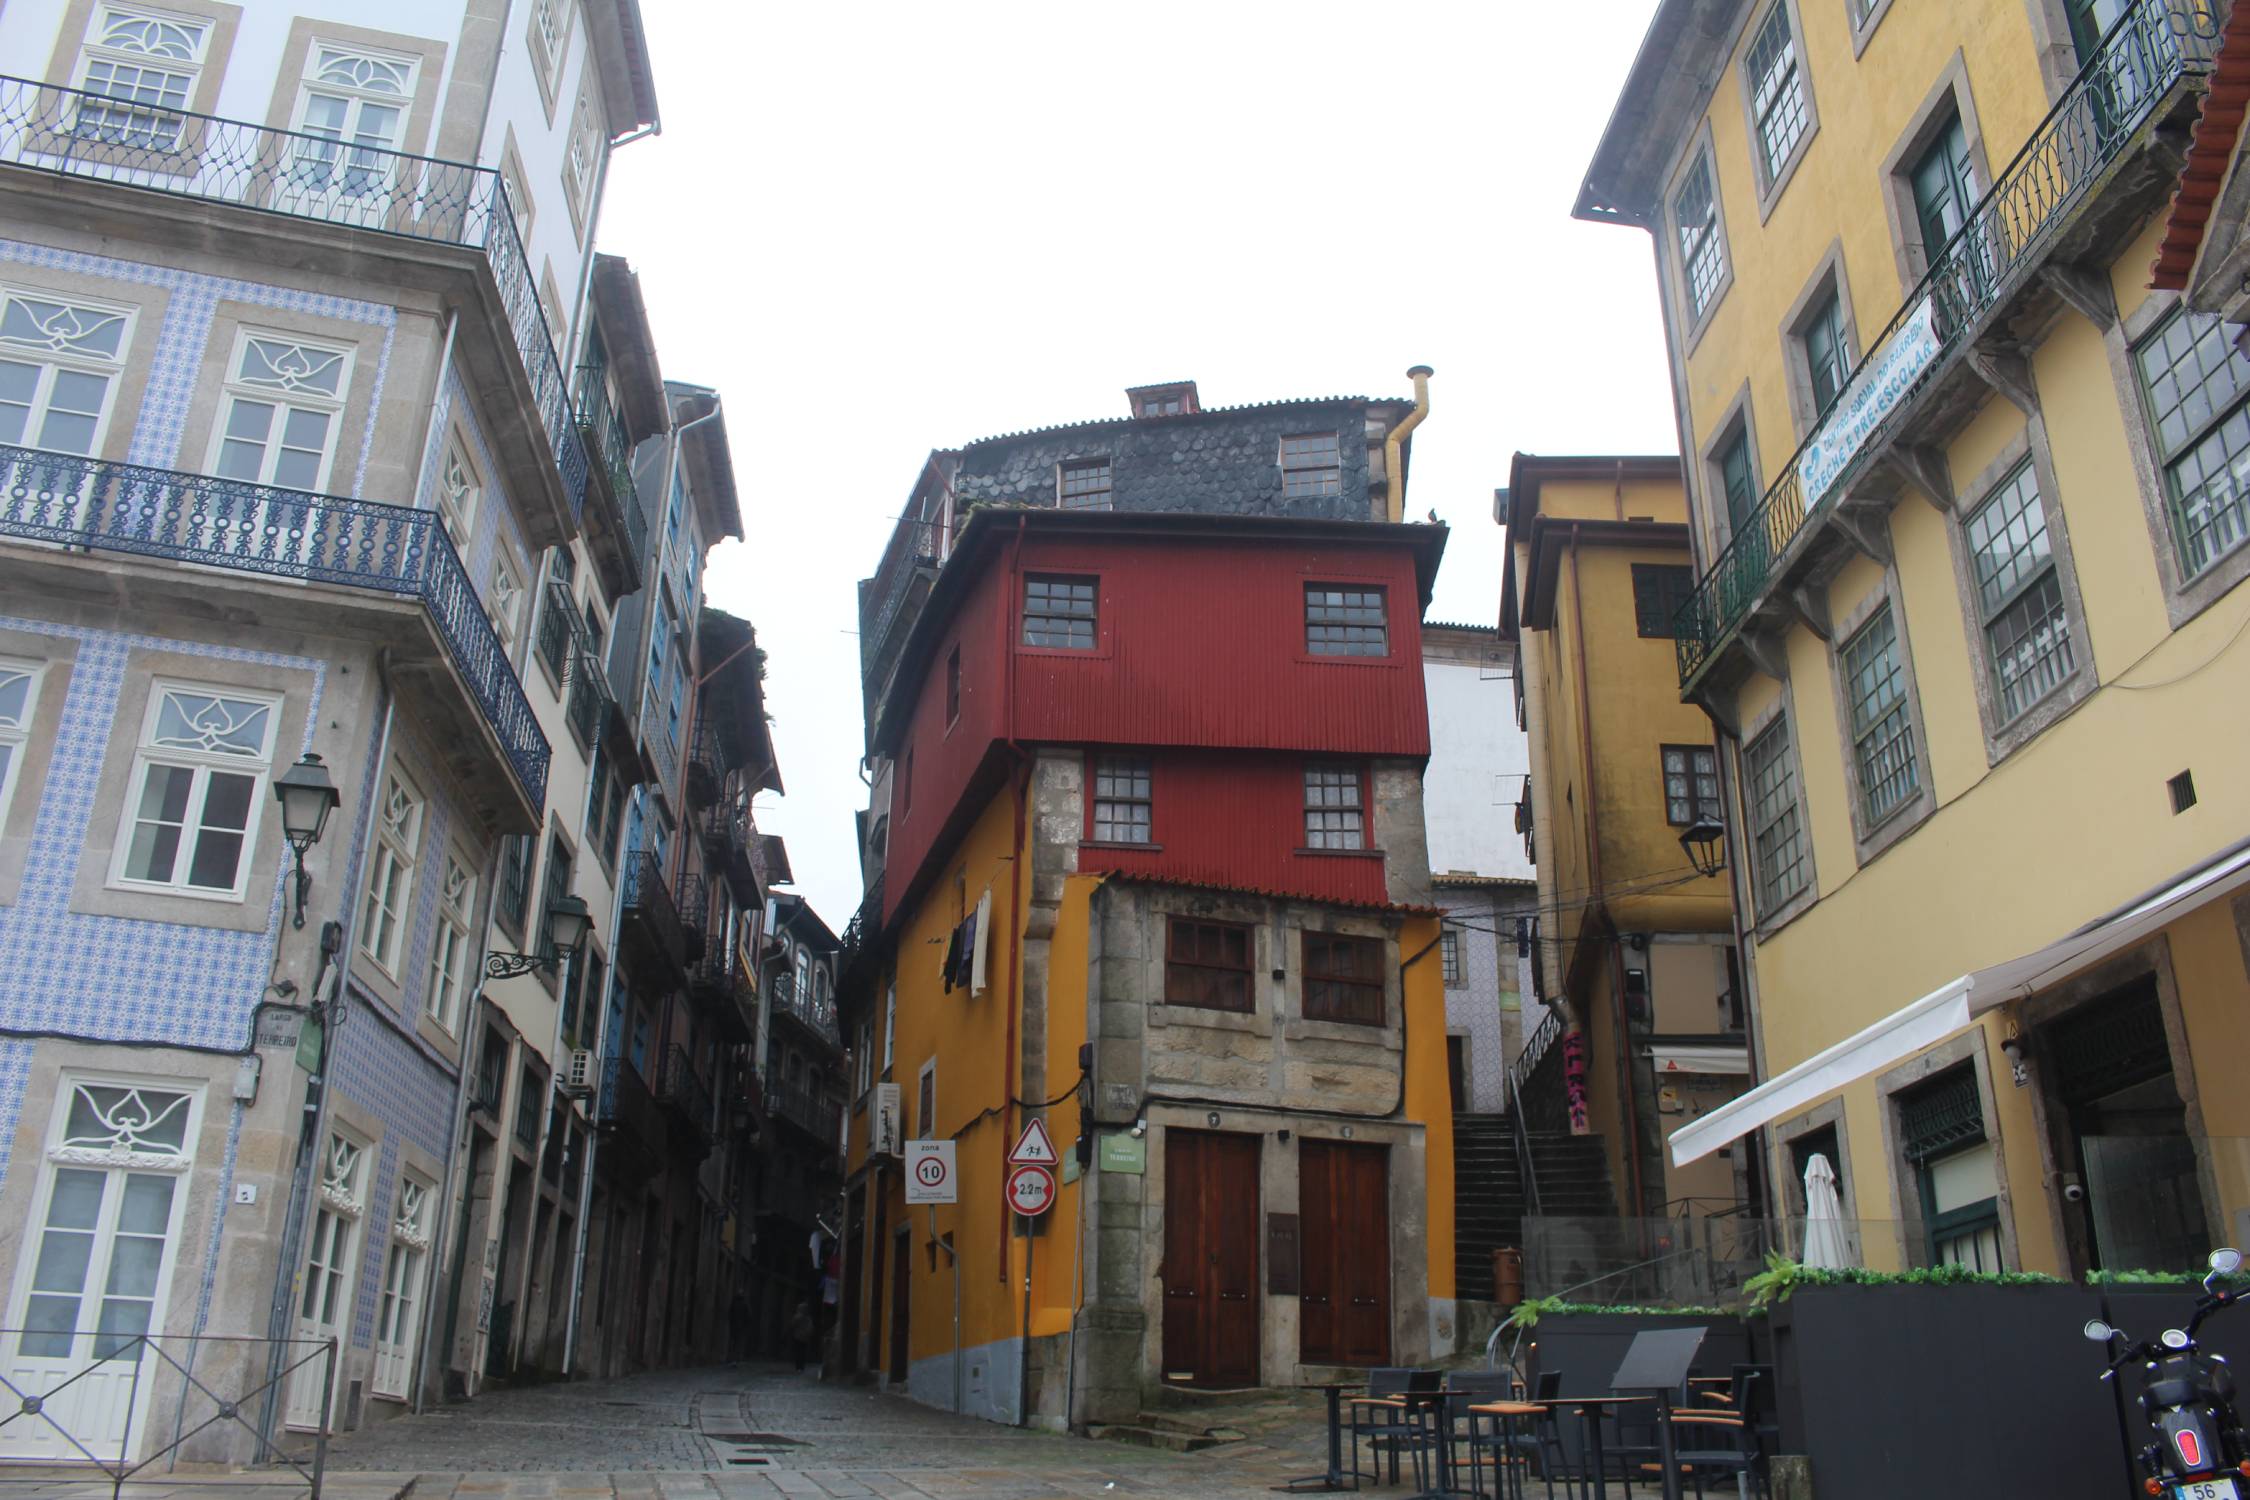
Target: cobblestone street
(761, 1430)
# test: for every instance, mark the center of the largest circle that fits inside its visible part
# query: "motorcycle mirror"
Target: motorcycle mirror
(2226, 1260)
(2098, 1331)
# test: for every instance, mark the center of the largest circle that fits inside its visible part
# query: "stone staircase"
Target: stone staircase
(1489, 1201)
(1188, 1420)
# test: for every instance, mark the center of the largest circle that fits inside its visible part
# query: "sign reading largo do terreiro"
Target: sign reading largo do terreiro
(1875, 388)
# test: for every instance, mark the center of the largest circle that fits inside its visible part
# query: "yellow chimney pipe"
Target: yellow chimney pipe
(1394, 446)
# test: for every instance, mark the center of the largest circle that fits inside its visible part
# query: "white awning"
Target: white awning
(1699, 1057)
(1953, 1006)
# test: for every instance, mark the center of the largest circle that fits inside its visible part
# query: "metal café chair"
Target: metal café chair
(1385, 1419)
(1461, 1443)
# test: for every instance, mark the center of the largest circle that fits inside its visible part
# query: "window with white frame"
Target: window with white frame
(284, 402)
(519, 197)
(1123, 800)
(504, 606)
(197, 790)
(350, 113)
(1695, 217)
(399, 1303)
(1777, 91)
(390, 876)
(1882, 725)
(19, 697)
(583, 156)
(449, 950)
(890, 1022)
(141, 66)
(59, 363)
(458, 491)
(2019, 594)
(2197, 386)
(550, 30)
(1334, 818)
(1776, 821)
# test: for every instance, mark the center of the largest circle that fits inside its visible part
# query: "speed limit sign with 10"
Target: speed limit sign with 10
(929, 1172)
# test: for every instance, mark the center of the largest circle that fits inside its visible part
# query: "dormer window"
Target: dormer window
(1083, 484)
(1175, 400)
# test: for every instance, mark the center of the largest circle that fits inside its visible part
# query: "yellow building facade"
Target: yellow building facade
(1968, 613)
(1638, 1025)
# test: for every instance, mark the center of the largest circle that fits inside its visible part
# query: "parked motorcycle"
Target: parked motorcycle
(2199, 1452)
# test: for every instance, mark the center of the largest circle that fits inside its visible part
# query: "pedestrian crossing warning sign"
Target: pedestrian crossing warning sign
(1034, 1147)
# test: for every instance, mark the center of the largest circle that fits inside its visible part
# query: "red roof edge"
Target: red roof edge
(2218, 128)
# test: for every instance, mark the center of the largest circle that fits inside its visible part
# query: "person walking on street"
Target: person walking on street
(800, 1334)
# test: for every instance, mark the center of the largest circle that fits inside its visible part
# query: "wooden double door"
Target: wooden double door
(1344, 1204)
(1210, 1268)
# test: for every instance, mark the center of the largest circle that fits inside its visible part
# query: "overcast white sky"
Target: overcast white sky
(881, 228)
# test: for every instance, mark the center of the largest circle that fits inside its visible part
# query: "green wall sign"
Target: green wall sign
(1123, 1151)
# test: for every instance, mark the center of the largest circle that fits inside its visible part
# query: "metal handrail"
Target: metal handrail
(679, 1085)
(260, 528)
(45, 127)
(1520, 1132)
(2153, 45)
(1535, 1048)
(912, 545)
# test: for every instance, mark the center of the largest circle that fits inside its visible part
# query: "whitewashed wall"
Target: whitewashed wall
(1478, 759)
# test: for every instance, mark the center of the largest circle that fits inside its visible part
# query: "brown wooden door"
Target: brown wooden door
(902, 1268)
(1344, 1207)
(1210, 1268)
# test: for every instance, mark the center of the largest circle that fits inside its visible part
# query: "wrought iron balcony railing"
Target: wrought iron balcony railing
(814, 1012)
(255, 528)
(603, 429)
(809, 1108)
(911, 553)
(650, 910)
(679, 1087)
(864, 925)
(303, 175)
(1989, 258)
(626, 1103)
(661, 741)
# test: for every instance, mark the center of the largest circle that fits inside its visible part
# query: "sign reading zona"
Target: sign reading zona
(1034, 1146)
(929, 1172)
(1031, 1189)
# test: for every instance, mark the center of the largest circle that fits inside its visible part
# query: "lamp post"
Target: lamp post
(307, 797)
(568, 922)
(1704, 841)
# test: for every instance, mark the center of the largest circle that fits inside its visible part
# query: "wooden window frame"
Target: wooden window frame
(1353, 774)
(1086, 496)
(1305, 473)
(1179, 967)
(1697, 806)
(1320, 650)
(1325, 981)
(1143, 768)
(1650, 594)
(1064, 619)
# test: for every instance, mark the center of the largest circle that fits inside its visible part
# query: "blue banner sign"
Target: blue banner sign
(1875, 388)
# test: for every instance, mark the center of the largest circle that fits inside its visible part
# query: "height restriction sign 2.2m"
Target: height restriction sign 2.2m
(1031, 1189)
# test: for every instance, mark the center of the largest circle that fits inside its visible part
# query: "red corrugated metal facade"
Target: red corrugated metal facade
(1200, 647)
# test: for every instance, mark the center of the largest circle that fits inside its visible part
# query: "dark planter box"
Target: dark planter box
(1946, 1390)
(1587, 1348)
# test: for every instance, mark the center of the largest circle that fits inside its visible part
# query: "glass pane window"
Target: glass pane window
(1944, 187)
(1207, 964)
(1311, 465)
(143, 68)
(457, 494)
(1343, 978)
(348, 121)
(390, 876)
(2019, 593)
(504, 604)
(513, 897)
(1740, 482)
(2197, 385)
(1449, 953)
(1334, 818)
(1776, 822)
(1083, 484)
(1659, 591)
(1827, 358)
(1882, 728)
(19, 696)
(1691, 783)
(283, 403)
(196, 797)
(1059, 613)
(1695, 217)
(1346, 621)
(1777, 90)
(449, 949)
(58, 365)
(1122, 802)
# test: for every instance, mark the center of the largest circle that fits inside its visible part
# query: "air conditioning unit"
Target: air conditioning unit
(885, 1135)
(579, 1074)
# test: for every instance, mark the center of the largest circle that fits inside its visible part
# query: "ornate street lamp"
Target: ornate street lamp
(307, 797)
(1705, 843)
(568, 922)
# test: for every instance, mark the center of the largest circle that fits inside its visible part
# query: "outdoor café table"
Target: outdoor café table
(1506, 1479)
(1335, 1478)
(1590, 1412)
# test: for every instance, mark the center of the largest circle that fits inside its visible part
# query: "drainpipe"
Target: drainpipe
(1019, 777)
(1394, 445)
(303, 1184)
(1594, 869)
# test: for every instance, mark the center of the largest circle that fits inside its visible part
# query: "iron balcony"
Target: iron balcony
(721, 980)
(629, 1110)
(679, 1089)
(617, 502)
(2061, 209)
(651, 928)
(802, 1105)
(809, 1011)
(70, 502)
(296, 174)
